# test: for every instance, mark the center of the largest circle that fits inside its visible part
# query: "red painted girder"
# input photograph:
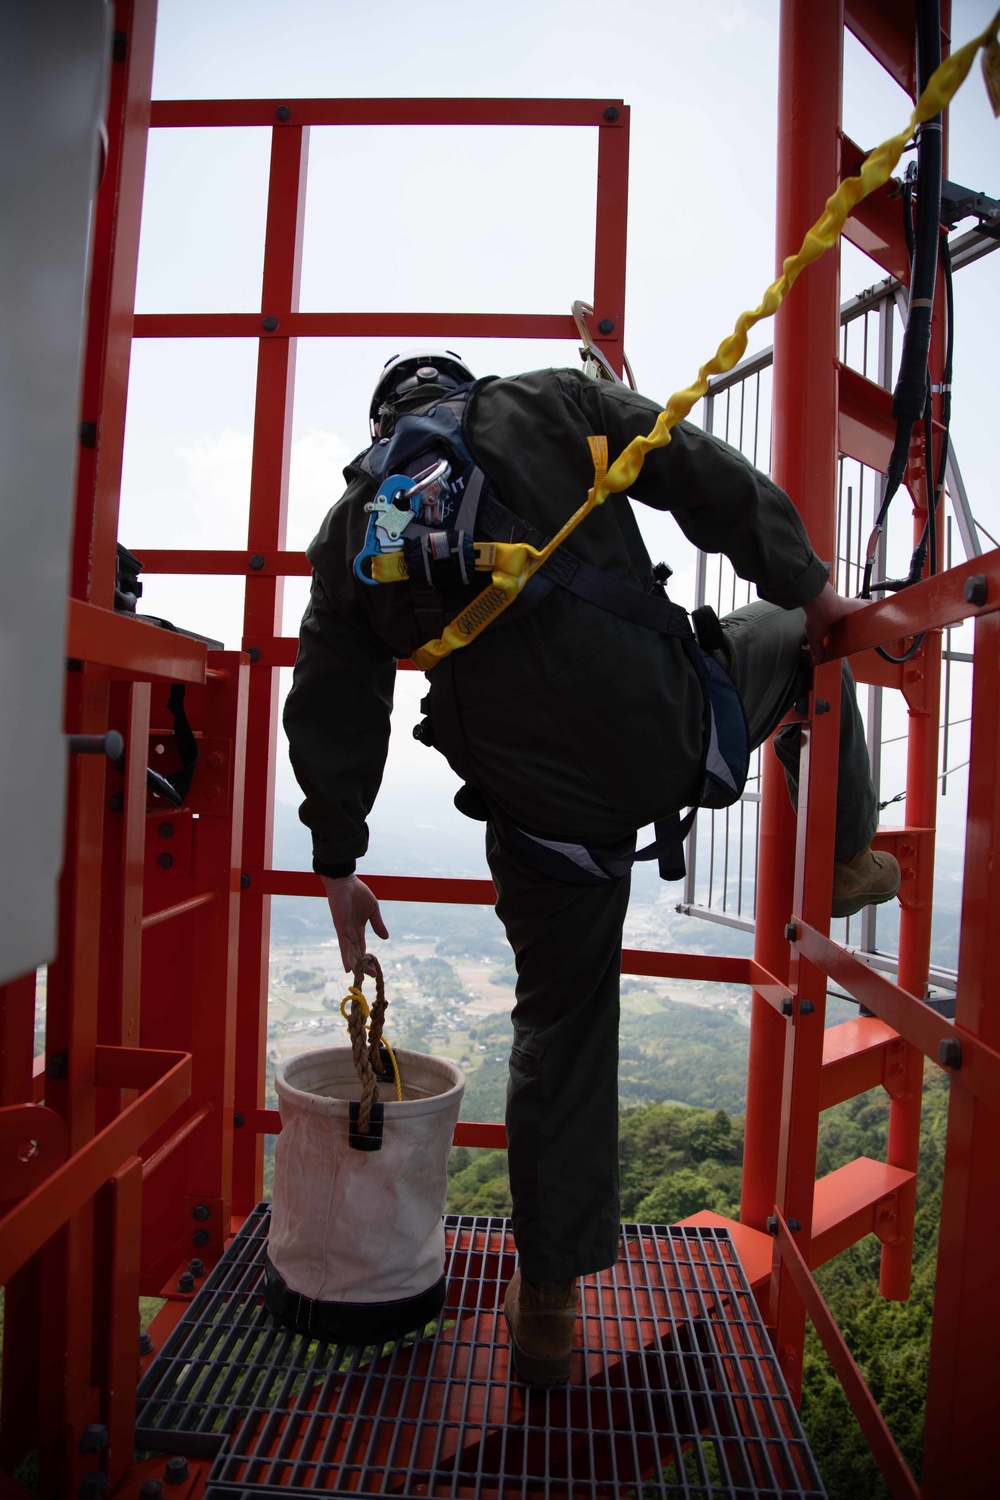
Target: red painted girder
(271, 564)
(961, 1421)
(35, 1219)
(385, 887)
(272, 651)
(867, 429)
(873, 669)
(143, 651)
(913, 850)
(880, 1440)
(922, 1027)
(928, 605)
(450, 325)
(845, 1205)
(17, 1039)
(689, 966)
(855, 1057)
(875, 224)
(227, 112)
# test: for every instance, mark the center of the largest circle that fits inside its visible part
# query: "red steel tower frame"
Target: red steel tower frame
(136, 1140)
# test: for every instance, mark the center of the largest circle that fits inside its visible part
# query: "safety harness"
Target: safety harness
(436, 522)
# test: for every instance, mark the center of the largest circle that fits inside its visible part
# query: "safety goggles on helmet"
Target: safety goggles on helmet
(407, 372)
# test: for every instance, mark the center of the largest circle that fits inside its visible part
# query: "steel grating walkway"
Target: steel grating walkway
(675, 1388)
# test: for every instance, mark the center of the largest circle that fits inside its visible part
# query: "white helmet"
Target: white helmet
(405, 372)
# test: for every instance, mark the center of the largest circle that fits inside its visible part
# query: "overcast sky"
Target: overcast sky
(477, 220)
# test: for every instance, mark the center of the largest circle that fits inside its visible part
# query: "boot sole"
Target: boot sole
(537, 1371)
(849, 906)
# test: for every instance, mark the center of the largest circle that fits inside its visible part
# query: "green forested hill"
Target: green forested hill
(685, 1054)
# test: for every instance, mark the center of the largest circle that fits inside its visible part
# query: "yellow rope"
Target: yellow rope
(873, 173)
(355, 994)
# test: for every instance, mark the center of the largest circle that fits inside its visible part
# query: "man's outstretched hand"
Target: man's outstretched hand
(824, 612)
(352, 907)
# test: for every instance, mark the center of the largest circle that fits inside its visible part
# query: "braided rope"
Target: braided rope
(364, 1026)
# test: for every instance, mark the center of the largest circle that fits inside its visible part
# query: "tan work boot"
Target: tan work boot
(541, 1317)
(865, 880)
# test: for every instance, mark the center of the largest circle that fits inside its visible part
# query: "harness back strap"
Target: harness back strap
(522, 561)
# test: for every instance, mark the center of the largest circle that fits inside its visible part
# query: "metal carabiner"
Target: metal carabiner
(440, 471)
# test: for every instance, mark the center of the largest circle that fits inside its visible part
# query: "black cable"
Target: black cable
(927, 545)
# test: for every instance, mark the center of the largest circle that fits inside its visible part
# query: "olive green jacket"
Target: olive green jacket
(576, 724)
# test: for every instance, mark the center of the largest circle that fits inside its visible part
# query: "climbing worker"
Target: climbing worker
(580, 714)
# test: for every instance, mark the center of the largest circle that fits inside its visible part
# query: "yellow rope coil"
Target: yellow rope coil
(873, 173)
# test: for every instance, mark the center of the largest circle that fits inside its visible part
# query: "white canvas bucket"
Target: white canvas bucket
(356, 1244)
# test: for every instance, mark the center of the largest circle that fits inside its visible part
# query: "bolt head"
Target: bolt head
(977, 589)
(177, 1469)
(791, 932)
(244, 882)
(787, 1007)
(165, 861)
(186, 1283)
(201, 1237)
(94, 1439)
(202, 1212)
(151, 1489)
(612, 113)
(146, 1345)
(282, 112)
(166, 830)
(950, 1053)
(257, 561)
(606, 326)
(269, 325)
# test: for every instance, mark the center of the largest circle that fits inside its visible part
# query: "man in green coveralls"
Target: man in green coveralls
(576, 726)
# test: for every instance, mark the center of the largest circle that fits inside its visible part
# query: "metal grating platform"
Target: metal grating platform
(675, 1388)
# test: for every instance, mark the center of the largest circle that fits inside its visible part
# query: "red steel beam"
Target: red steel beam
(611, 235)
(33, 1221)
(180, 113)
(875, 224)
(356, 325)
(273, 564)
(804, 431)
(884, 1450)
(262, 610)
(142, 651)
(17, 1039)
(961, 1418)
(924, 1029)
(929, 605)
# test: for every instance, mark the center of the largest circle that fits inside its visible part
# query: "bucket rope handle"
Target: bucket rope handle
(364, 1026)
